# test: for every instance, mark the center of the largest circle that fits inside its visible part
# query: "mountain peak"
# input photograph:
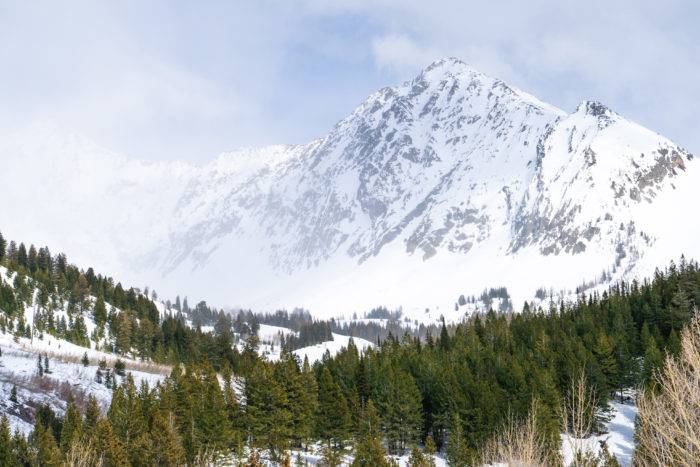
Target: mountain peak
(449, 64)
(594, 109)
(450, 68)
(454, 174)
(450, 73)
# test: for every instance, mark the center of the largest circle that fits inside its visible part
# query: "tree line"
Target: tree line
(449, 391)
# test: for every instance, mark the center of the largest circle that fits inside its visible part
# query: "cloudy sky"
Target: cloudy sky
(165, 80)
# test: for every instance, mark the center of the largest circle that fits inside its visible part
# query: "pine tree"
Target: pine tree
(444, 341)
(370, 453)
(72, 427)
(85, 360)
(108, 446)
(92, 415)
(233, 413)
(47, 452)
(5, 442)
(370, 422)
(268, 417)
(300, 403)
(166, 448)
(126, 418)
(39, 367)
(46, 364)
(653, 360)
(20, 450)
(213, 417)
(299, 461)
(99, 312)
(419, 459)
(331, 457)
(430, 448)
(457, 451)
(22, 255)
(603, 351)
(333, 420)
(3, 247)
(309, 401)
(399, 403)
(13, 394)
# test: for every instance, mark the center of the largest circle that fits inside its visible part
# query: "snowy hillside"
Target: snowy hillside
(448, 184)
(67, 375)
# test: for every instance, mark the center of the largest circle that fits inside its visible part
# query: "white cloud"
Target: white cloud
(400, 54)
(170, 79)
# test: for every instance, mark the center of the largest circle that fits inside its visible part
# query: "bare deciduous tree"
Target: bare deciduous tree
(669, 416)
(577, 416)
(82, 454)
(518, 444)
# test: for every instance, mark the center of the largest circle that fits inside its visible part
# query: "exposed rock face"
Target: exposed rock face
(438, 163)
(438, 167)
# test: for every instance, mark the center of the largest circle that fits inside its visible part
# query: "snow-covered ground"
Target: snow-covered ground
(270, 347)
(18, 367)
(315, 352)
(269, 333)
(314, 458)
(619, 439)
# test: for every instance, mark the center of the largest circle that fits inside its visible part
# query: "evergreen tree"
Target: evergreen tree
(370, 453)
(333, 420)
(309, 401)
(299, 402)
(213, 415)
(444, 341)
(418, 459)
(13, 394)
(21, 451)
(267, 413)
(5, 442)
(457, 450)
(22, 256)
(3, 247)
(99, 312)
(234, 413)
(430, 448)
(331, 457)
(166, 448)
(370, 422)
(399, 401)
(603, 352)
(653, 360)
(92, 415)
(108, 446)
(45, 448)
(72, 427)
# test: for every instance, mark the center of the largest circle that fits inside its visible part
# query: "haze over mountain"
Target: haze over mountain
(441, 186)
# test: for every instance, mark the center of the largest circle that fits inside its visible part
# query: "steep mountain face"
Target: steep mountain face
(434, 163)
(443, 185)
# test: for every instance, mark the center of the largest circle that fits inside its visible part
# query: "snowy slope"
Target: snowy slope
(444, 185)
(270, 347)
(619, 437)
(18, 367)
(315, 352)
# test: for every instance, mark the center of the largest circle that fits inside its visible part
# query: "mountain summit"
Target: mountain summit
(441, 186)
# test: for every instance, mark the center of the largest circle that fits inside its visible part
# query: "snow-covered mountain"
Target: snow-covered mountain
(444, 185)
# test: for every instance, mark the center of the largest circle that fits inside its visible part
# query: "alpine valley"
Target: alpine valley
(445, 185)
